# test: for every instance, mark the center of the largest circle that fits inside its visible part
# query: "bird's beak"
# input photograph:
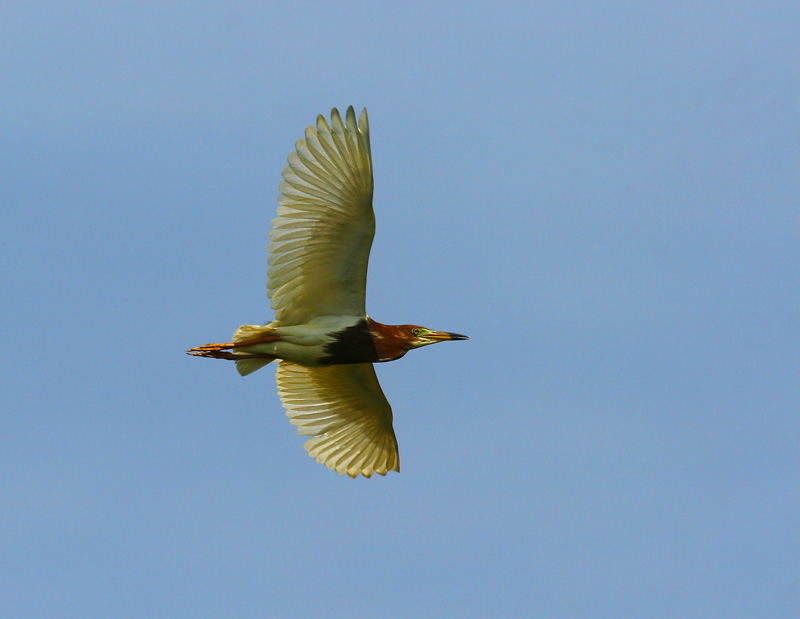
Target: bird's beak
(442, 336)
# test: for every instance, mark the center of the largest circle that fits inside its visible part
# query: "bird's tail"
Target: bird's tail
(251, 332)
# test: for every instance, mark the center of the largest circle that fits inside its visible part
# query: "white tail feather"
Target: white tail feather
(248, 366)
(246, 332)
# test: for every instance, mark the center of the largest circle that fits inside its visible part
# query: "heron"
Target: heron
(325, 343)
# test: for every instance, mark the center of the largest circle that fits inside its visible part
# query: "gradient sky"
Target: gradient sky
(604, 196)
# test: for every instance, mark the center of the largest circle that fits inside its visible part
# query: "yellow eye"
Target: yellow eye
(415, 331)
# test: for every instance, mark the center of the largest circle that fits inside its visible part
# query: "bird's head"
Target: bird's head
(417, 337)
(393, 341)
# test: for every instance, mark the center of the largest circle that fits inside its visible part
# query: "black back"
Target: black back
(351, 345)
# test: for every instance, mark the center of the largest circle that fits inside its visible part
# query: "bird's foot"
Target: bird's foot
(213, 351)
(246, 335)
(221, 351)
(224, 351)
(211, 347)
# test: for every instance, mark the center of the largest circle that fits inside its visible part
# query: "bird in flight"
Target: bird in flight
(321, 336)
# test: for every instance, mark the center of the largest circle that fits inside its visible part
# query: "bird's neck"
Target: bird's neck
(389, 341)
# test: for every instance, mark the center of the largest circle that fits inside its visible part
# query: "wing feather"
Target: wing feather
(320, 242)
(344, 411)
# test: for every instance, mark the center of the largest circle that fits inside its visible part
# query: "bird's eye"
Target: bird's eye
(415, 331)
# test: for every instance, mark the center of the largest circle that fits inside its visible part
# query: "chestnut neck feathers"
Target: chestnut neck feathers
(390, 342)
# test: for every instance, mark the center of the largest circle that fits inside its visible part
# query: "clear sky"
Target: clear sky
(604, 196)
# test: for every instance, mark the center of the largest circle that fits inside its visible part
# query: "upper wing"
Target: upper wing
(321, 238)
(343, 408)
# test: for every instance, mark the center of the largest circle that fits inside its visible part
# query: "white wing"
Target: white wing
(343, 408)
(321, 238)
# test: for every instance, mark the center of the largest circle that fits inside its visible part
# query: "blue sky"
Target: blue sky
(604, 196)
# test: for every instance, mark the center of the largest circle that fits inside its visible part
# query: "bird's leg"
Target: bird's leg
(223, 351)
(220, 351)
(199, 351)
(202, 351)
(213, 351)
